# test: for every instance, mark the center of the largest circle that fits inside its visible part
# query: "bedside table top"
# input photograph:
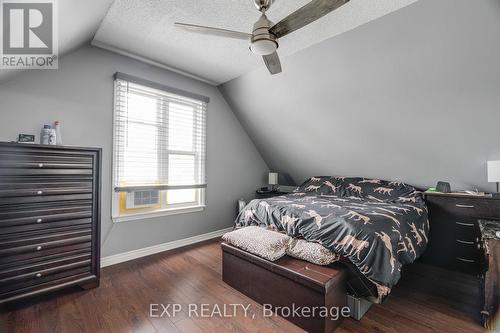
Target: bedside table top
(268, 194)
(461, 195)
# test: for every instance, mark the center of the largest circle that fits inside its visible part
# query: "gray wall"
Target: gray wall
(414, 95)
(80, 95)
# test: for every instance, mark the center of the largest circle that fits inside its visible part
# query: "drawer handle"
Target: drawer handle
(40, 165)
(465, 242)
(464, 206)
(39, 192)
(38, 248)
(39, 220)
(465, 224)
(465, 260)
(38, 275)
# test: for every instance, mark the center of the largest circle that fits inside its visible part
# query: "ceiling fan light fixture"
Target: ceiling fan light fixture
(263, 47)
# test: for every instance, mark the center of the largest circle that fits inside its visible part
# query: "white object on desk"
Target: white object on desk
(494, 172)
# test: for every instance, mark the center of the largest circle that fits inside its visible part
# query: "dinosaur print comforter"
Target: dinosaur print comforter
(378, 225)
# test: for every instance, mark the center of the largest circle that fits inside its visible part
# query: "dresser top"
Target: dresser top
(489, 228)
(461, 195)
(40, 146)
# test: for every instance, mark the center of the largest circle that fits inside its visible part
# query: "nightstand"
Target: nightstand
(268, 194)
(454, 234)
(490, 271)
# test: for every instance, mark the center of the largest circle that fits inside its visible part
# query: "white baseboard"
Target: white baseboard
(147, 251)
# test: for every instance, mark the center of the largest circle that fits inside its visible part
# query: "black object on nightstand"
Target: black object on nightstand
(454, 233)
(265, 193)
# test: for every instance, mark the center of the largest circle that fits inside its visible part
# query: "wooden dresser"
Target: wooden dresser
(454, 238)
(49, 219)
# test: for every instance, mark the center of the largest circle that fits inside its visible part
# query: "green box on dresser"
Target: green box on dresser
(49, 219)
(454, 237)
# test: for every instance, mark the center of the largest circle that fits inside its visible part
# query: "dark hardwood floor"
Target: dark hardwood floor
(426, 300)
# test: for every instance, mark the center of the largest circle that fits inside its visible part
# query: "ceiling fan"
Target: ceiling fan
(264, 37)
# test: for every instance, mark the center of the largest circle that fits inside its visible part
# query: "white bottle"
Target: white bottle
(57, 126)
(52, 137)
(45, 135)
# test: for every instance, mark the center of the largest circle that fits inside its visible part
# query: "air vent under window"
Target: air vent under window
(141, 199)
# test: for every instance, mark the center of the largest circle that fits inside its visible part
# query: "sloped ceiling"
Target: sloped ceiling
(145, 28)
(414, 96)
(78, 22)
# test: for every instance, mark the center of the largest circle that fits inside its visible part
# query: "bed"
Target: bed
(376, 225)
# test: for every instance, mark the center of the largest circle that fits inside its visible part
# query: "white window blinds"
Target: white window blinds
(159, 139)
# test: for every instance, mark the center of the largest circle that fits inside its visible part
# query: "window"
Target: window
(159, 149)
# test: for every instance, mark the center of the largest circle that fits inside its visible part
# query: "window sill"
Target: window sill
(158, 213)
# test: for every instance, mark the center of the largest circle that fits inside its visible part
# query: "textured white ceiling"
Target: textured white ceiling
(145, 28)
(78, 22)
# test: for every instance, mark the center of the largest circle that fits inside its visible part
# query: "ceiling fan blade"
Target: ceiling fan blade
(213, 31)
(305, 15)
(273, 63)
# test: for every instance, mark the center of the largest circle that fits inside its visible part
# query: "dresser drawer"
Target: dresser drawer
(456, 208)
(466, 231)
(40, 249)
(4, 172)
(35, 272)
(17, 215)
(45, 236)
(10, 274)
(49, 286)
(466, 265)
(41, 197)
(466, 208)
(47, 227)
(40, 189)
(76, 250)
(466, 250)
(29, 280)
(48, 160)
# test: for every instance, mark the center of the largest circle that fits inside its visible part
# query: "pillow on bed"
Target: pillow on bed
(364, 188)
(311, 252)
(270, 245)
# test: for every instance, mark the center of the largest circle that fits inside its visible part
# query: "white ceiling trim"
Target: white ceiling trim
(113, 49)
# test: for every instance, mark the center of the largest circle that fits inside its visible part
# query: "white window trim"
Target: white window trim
(159, 213)
(173, 209)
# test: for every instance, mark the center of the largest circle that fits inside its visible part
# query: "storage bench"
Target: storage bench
(288, 282)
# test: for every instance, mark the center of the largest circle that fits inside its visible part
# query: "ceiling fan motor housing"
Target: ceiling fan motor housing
(263, 42)
(263, 5)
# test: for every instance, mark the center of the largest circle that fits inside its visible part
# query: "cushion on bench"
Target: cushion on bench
(267, 244)
(312, 252)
